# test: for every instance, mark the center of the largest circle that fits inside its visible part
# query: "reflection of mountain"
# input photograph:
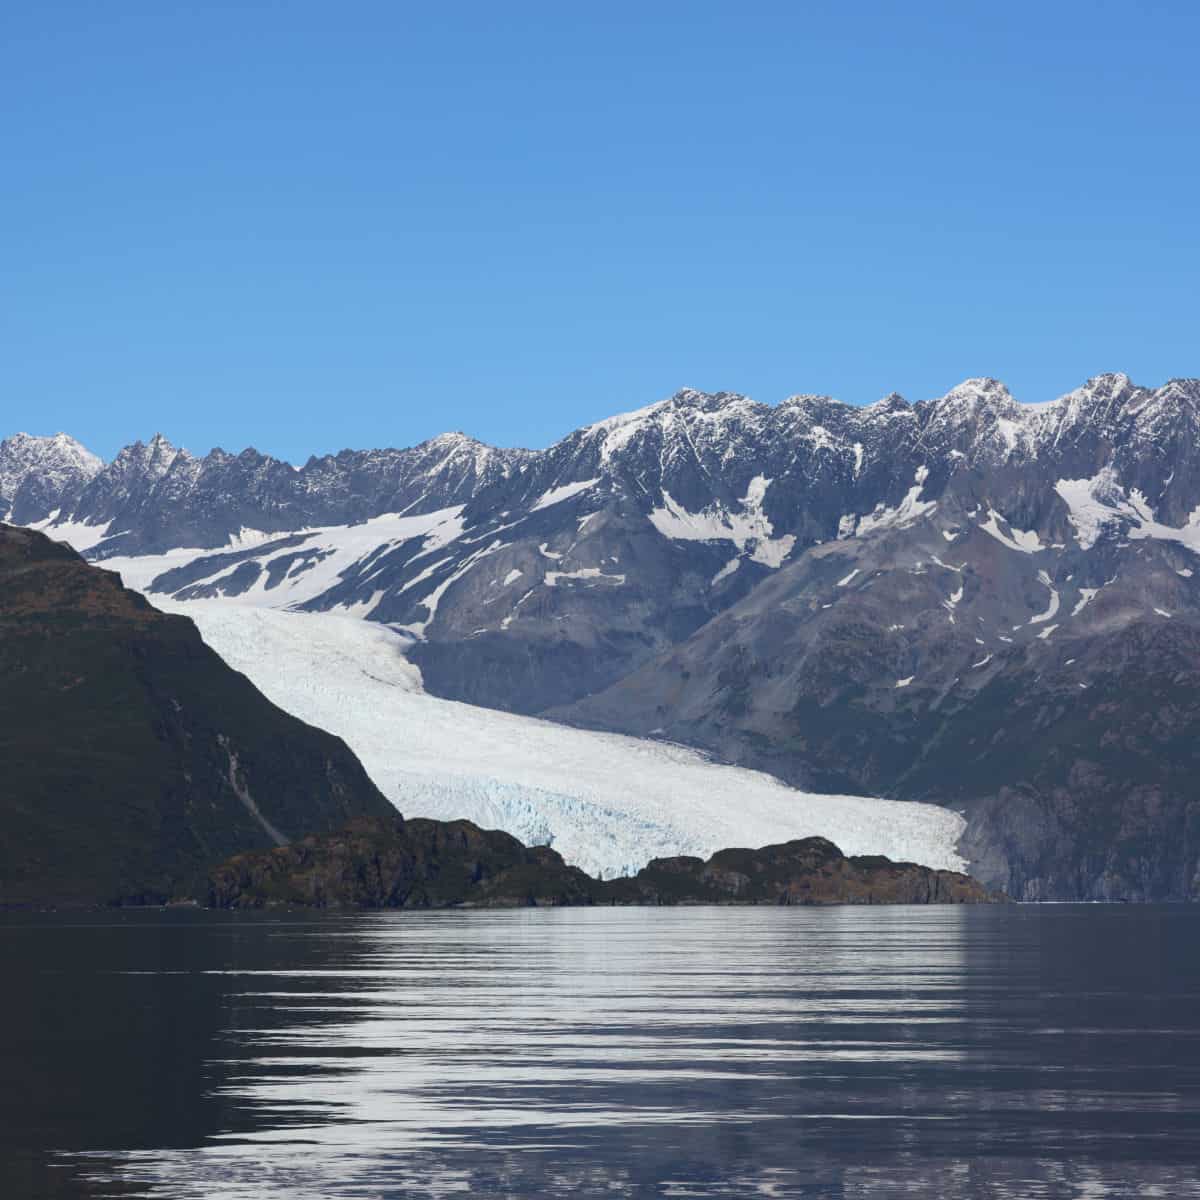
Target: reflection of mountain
(114, 1032)
(986, 1052)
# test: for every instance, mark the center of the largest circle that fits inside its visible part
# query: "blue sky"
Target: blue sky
(307, 226)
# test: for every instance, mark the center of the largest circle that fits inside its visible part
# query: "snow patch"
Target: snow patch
(1048, 615)
(557, 495)
(1101, 502)
(905, 514)
(727, 570)
(79, 535)
(1021, 540)
(674, 521)
(552, 577)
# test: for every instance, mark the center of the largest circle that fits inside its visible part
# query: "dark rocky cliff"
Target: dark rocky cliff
(132, 756)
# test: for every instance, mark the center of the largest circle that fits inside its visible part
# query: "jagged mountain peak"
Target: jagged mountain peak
(893, 402)
(58, 443)
(1188, 386)
(454, 438)
(695, 398)
(158, 446)
(977, 391)
(37, 474)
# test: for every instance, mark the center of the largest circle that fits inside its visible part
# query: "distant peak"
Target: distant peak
(60, 445)
(694, 398)
(1111, 383)
(454, 440)
(980, 385)
(892, 402)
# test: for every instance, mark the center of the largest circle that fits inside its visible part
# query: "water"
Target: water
(1019, 1052)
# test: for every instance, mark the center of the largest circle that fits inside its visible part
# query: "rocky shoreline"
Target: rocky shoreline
(419, 863)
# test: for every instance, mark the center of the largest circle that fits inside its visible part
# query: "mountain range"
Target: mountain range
(971, 601)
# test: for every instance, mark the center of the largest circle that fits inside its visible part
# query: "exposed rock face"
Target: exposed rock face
(912, 667)
(42, 476)
(434, 864)
(807, 871)
(966, 600)
(395, 863)
(133, 757)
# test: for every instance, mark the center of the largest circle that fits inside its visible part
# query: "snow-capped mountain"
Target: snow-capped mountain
(153, 496)
(39, 476)
(968, 600)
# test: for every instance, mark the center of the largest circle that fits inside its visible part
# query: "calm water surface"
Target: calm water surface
(1019, 1052)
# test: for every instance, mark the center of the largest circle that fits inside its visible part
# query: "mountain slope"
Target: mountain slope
(134, 757)
(1047, 688)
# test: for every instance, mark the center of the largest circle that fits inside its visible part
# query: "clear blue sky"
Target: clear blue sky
(307, 226)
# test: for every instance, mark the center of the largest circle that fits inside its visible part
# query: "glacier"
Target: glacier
(607, 802)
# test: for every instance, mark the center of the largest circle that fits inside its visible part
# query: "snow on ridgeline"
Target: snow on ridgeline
(606, 802)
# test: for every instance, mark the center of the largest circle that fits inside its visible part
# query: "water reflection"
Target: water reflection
(694, 1052)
